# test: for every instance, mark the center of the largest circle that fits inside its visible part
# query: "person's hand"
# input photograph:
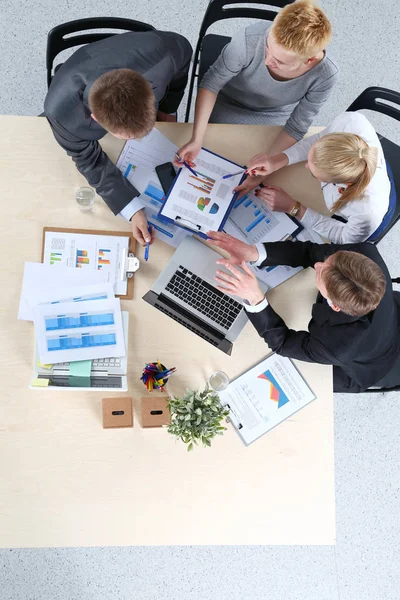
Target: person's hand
(263, 164)
(260, 164)
(238, 250)
(187, 153)
(275, 198)
(249, 184)
(139, 228)
(241, 283)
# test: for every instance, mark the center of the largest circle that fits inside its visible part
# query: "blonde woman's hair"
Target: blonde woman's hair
(346, 158)
(302, 28)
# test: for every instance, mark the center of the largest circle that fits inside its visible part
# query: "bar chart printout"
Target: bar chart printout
(88, 252)
(70, 331)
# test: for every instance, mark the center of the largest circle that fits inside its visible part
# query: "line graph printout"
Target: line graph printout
(202, 199)
(137, 162)
(265, 396)
(71, 331)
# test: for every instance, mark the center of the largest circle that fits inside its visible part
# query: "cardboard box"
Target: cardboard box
(154, 411)
(117, 412)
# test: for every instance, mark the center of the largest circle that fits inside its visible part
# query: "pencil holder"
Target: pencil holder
(155, 376)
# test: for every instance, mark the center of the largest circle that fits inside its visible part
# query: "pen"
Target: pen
(146, 251)
(185, 163)
(232, 174)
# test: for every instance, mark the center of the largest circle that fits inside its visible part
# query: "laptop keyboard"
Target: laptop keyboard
(205, 298)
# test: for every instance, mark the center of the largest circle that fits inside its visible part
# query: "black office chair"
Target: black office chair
(391, 381)
(57, 42)
(210, 46)
(371, 99)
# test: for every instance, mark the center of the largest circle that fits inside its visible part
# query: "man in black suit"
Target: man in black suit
(116, 85)
(355, 324)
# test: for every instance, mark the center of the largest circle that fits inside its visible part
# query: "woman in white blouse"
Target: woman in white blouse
(347, 158)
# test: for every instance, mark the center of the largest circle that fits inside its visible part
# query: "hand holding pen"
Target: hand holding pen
(184, 163)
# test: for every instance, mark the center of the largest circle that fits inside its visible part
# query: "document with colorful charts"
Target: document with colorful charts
(70, 331)
(138, 161)
(252, 222)
(200, 201)
(264, 396)
(88, 252)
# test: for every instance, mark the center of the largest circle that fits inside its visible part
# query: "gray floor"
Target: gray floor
(364, 564)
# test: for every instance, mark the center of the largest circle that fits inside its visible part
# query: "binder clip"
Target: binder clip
(129, 264)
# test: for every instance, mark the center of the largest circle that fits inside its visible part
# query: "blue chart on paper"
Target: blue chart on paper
(73, 321)
(155, 194)
(252, 219)
(74, 342)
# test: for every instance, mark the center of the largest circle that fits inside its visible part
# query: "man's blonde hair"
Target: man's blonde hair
(354, 282)
(302, 28)
(346, 158)
(123, 103)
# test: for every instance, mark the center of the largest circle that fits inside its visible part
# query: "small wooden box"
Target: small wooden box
(154, 411)
(117, 412)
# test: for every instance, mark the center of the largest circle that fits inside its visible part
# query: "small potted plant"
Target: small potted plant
(196, 417)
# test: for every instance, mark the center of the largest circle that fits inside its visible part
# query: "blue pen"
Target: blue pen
(232, 175)
(185, 164)
(146, 250)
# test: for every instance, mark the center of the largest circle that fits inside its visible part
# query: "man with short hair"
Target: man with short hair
(116, 85)
(355, 324)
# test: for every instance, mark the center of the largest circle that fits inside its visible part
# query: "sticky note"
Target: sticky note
(80, 368)
(39, 364)
(40, 382)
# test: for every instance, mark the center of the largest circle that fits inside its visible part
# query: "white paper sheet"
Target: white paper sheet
(73, 331)
(38, 276)
(71, 293)
(251, 221)
(137, 162)
(265, 396)
(201, 201)
(88, 253)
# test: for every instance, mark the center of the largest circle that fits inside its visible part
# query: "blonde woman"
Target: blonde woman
(269, 74)
(347, 158)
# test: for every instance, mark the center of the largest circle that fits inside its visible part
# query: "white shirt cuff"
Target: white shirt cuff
(262, 255)
(257, 307)
(131, 209)
(310, 218)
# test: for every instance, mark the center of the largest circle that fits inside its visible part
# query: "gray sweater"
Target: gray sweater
(247, 93)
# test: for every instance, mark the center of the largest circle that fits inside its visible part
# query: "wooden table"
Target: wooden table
(67, 482)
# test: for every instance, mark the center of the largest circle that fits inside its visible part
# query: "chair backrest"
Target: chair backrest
(219, 10)
(376, 98)
(57, 40)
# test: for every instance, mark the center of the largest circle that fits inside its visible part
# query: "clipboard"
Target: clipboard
(129, 263)
(191, 225)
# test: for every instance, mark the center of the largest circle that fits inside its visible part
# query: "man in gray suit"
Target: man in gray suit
(116, 85)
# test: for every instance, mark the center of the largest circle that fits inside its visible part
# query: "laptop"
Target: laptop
(107, 373)
(185, 291)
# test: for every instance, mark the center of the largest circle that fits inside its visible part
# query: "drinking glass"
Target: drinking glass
(218, 381)
(85, 198)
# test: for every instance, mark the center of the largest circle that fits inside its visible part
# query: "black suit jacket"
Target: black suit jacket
(159, 56)
(362, 349)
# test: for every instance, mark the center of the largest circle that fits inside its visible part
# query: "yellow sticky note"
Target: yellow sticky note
(39, 364)
(40, 382)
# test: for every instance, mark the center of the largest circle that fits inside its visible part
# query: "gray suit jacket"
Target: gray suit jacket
(157, 55)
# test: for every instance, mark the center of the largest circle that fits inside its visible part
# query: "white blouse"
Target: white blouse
(363, 215)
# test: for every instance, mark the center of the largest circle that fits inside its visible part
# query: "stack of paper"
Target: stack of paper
(74, 320)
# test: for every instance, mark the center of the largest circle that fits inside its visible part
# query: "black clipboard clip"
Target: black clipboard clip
(188, 223)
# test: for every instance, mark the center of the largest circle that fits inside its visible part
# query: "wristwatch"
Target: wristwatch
(295, 209)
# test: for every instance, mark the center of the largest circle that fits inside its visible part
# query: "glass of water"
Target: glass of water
(85, 198)
(218, 381)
